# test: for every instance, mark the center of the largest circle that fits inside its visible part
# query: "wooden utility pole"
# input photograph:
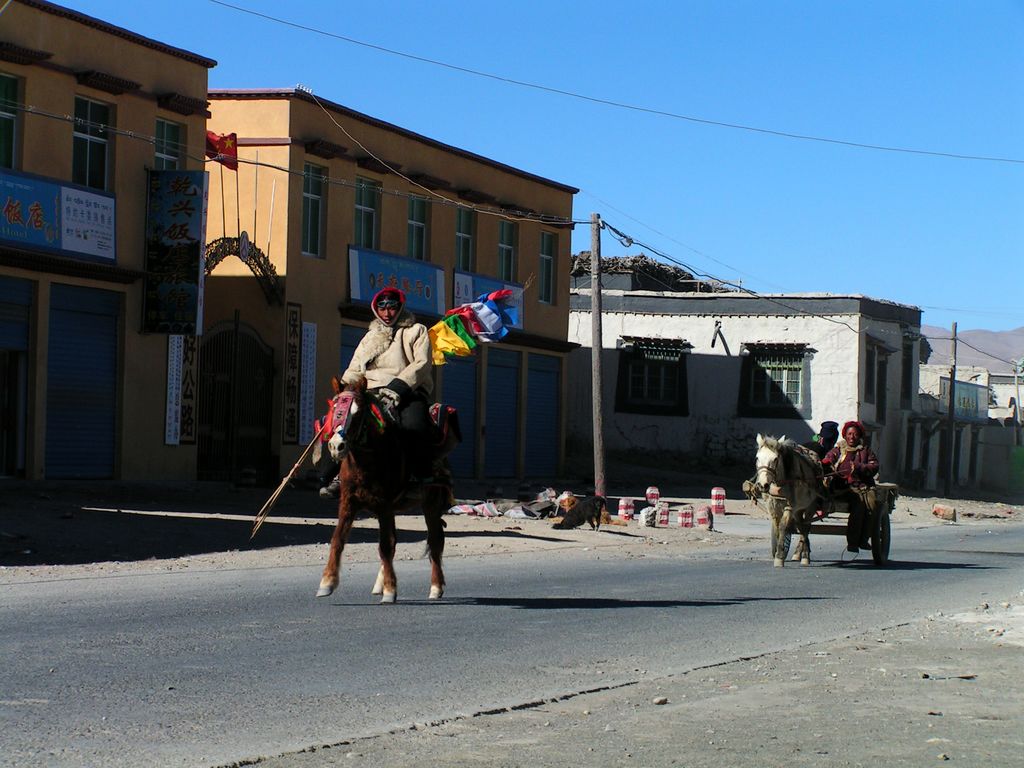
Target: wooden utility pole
(596, 345)
(951, 419)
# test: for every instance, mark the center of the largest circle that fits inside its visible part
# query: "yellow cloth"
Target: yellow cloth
(443, 340)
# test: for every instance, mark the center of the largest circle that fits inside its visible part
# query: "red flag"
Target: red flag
(223, 149)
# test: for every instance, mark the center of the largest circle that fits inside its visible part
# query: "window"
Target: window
(465, 226)
(416, 244)
(91, 156)
(367, 207)
(547, 267)
(907, 374)
(168, 145)
(652, 377)
(312, 208)
(8, 120)
(775, 381)
(507, 251)
(881, 388)
(870, 360)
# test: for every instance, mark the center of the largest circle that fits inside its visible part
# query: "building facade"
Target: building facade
(87, 111)
(330, 205)
(701, 373)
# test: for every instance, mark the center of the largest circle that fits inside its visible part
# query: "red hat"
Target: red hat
(856, 425)
(388, 294)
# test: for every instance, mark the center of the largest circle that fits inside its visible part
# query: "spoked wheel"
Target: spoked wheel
(880, 538)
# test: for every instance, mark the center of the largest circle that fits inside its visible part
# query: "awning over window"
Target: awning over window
(655, 349)
(880, 345)
(777, 347)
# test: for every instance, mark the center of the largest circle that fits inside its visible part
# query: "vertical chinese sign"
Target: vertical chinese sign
(292, 352)
(175, 252)
(308, 378)
(180, 413)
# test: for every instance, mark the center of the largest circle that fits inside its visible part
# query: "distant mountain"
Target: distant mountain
(998, 347)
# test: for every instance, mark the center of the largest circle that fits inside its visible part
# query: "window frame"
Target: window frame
(10, 116)
(365, 212)
(313, 200)
(507, 251)
(643, 364)
(775, 401)
(167, 152)
(465, 239)
(546, 267)
(87, 139)
(417, 228)
(907, 374)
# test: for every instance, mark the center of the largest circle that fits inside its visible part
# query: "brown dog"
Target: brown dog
(577, 511)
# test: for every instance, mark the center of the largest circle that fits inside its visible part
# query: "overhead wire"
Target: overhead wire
(615, 103)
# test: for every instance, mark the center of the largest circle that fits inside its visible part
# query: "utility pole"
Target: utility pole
(596, 345)
(951, 419)
(1018, 368)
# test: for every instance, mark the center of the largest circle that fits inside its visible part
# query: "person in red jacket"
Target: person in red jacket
(850, 469)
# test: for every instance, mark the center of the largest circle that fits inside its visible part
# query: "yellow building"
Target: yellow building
(327, 205)
(87, 110)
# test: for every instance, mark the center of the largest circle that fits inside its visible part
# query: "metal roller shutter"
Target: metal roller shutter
(460, 391)
(81, 397)
(15, 301)
(543, 415)
(502, 413)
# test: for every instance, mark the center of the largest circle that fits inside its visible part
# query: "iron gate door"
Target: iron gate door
(236, 387)
(460, 391)
(543, 415)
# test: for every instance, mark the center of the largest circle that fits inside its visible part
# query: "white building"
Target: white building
(701, 373)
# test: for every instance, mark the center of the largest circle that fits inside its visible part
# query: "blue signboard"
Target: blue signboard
(971, 402)
(423, 283)
(71, 221)
(469, 287)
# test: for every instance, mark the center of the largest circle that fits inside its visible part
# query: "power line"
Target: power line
(619, 104)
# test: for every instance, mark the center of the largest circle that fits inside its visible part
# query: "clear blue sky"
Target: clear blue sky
(777, 214)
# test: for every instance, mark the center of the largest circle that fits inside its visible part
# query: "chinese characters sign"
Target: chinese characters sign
(292, 352)
(66, 220)
(180, 413)
(308, 382)
(175, 252)
(423, 283)
(971, 403)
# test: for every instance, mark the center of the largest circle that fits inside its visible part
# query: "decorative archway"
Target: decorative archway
(257, 262)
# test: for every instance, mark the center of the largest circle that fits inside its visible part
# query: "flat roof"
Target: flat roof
(294, 93)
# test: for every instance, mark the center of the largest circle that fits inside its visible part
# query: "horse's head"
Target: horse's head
(345, 408)
(767, 461)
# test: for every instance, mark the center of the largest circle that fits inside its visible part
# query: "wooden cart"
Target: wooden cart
(836, 512)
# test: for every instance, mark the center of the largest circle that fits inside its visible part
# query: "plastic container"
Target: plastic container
(625, 509)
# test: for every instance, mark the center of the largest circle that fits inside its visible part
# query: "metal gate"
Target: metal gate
(502, 440)
(543, 416)
(236, 387)
(15, 304)
(459, 384)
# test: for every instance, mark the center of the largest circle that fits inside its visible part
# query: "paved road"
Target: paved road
(214, 667)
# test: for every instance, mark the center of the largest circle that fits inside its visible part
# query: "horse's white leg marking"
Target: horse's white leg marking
(388, 597)
(378, 585)
(436, 592)
(326, 588)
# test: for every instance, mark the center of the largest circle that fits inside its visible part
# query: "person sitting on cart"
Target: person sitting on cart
(824, 441)
(853, 466)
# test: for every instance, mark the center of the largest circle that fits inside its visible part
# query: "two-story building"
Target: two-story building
(91, 116)
(326, 206)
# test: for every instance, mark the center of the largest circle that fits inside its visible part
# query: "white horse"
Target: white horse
(790, 476)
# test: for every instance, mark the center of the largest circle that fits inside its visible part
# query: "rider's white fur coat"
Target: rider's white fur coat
(401, 351)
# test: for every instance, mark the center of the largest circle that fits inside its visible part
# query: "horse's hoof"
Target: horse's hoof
(324, 591)
(805, 561)
(779, 562)
(388, 597)
(796, 556)
(436, 593)
(378, 585)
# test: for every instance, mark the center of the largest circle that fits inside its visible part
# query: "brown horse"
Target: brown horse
(374, 478)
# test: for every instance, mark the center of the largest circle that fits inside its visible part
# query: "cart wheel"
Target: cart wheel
(880, 538)
(787, 540)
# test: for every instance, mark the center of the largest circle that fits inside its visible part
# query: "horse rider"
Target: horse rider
(394, 358)
(826, 438)
(853, 466)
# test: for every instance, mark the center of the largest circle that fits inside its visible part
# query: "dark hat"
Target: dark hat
(829, 429)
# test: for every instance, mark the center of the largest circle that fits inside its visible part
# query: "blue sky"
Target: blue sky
(776, 214)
